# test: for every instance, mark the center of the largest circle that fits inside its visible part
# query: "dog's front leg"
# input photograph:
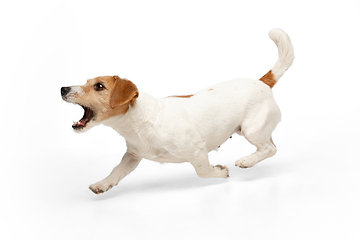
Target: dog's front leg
(128, 163)
(205, 170)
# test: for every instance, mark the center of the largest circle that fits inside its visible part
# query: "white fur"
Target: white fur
(179, 130)
(286, 52)
(75, 90)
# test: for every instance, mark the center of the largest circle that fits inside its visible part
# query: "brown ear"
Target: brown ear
(123, 92)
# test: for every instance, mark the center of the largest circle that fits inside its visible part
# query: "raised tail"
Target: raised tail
(286, 57)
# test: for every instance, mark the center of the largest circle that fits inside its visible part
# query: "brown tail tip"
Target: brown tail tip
(269, 79)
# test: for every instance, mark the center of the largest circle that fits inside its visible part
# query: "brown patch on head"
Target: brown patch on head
(269, 79)
(210, 89)
(107, 96)
(183, 96)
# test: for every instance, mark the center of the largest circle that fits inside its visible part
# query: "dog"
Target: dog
(184, 128)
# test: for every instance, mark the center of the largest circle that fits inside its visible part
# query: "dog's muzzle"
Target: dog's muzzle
(67, 94)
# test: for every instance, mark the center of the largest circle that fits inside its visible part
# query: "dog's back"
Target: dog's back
(247, 103)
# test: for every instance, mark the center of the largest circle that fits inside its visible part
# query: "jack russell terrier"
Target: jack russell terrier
(185, 128)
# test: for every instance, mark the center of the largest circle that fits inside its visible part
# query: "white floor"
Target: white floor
(310, 193)
(308, 190)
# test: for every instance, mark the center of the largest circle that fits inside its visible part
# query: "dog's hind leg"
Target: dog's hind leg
(265, 149)
(128, 163)
(258, 132)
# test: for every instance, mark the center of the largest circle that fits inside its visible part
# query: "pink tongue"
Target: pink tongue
(79, 123)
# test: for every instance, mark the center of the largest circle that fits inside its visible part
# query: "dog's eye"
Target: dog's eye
(99, 87)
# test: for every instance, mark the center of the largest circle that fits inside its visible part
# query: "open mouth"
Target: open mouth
(88, 115)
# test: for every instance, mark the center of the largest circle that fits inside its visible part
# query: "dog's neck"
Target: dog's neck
(142, 115)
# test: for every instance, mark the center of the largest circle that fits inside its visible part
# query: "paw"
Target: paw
(244, 163)
(101, 187)
(224, 171)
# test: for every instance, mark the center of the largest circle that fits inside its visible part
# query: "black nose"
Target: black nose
(65, 90)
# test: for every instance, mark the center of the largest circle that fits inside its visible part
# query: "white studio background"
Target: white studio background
(308, 190)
